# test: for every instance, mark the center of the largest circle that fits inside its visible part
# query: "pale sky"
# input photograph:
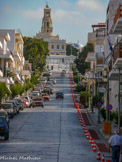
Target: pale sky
(72, 19)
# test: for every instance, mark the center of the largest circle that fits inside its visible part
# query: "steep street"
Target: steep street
(49, 134)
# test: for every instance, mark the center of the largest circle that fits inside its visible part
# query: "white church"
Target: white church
(57, 59)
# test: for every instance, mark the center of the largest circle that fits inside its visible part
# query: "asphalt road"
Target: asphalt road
(49, 134)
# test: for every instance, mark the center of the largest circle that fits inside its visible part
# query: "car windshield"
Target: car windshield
(19, 101)
(37, 99)
(44, 94)
(2, 113)
(59, 93)
(6, 106)
(35, 94)
(1, 121)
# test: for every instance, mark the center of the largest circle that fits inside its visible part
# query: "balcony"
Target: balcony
(17, 57)
(99, 61)
(91, 37)
(5, 54)
(93, 75)
(117, 28)
(1, 45)
(1, 73)
(118, 55)
(5, 80)
(17, 75)
(90, 57)
(27, 73)
(114, 74)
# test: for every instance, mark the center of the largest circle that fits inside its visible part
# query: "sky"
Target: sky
(72, 19)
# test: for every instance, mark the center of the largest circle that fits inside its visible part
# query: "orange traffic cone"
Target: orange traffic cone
(103, 160)
(98, 156)
(90, 140)
(94, 147)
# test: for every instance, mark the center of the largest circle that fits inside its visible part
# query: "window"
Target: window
(57, 46)
(62, 46)
(52, 46)
(62, 60)
(47, 24)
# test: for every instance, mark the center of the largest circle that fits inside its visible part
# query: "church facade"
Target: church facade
(57, 59)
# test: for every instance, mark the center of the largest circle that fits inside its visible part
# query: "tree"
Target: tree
(81, 65)
(16, 89)
(36, 51)
(74, 51)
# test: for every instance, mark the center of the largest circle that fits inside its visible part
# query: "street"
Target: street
(49, 134)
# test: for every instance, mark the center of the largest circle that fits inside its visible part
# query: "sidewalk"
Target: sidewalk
(94, 117)
(95, 131)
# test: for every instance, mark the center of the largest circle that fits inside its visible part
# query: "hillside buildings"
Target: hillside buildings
(104, 78)
(57, 59)
(12, 60)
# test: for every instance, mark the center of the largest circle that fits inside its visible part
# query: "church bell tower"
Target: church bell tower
(47, 28)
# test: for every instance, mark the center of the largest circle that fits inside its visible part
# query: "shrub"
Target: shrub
(76, 78)
(80, 88)
(3, 91)
(34, 79)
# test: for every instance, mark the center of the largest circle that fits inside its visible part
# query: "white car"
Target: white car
(27, 100)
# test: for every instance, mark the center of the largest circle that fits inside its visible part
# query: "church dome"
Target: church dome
(77, 45)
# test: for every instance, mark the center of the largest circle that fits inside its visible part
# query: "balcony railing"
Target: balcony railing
(118, 14)
(118, 51)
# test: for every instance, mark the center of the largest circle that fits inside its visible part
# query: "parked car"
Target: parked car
(9, 108)
(46, 96)
(4, 128)
(43, 80)
(37, 89)
(16, 107)
(38, 101)
(46, 91)
(5, 114)
(27, 100)
(59, 95)
(49, 83)
(20, 103)
(46, 75)
(50, 89)
(35, 93)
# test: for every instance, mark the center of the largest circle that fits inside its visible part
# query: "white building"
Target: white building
(11, 54)
(114, 60)
(57, 59)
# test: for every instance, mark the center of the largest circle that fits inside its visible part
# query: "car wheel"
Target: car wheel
(6, 137)
(12, 116)
(33, 106)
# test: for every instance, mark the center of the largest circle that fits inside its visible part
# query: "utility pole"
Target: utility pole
(119, 104)
(108, 113)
